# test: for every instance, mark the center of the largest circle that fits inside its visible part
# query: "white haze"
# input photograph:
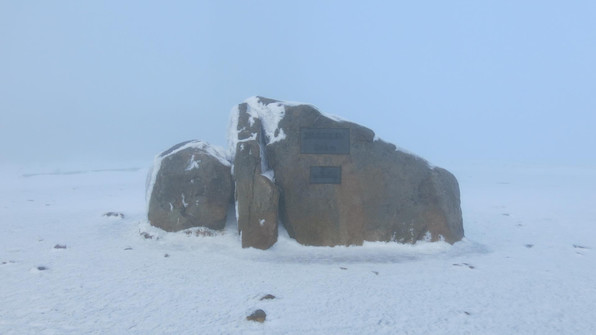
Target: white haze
(455, 82)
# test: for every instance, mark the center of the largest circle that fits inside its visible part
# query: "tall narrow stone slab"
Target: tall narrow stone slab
(257, 197)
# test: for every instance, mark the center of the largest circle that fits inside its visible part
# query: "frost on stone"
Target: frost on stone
(270, 116)
(193, 164)
(252, 137)
(269, 174)
(236, 206)
(219, 153)
(402, 150)
(233, 131)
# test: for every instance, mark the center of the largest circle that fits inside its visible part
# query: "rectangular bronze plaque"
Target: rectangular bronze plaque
(325, 174)
(334, 141)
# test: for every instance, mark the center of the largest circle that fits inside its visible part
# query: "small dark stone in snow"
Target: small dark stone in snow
(577, 246)
(529, 245)
(506, 214)
(376, 272)
(60, 246)
(166, 255)
(129, 248)
(341, 267)
(268, 297)
(467, 313)
(465, 264)
(114, 214)
(258, 316)
(42, 268)
(146, 235)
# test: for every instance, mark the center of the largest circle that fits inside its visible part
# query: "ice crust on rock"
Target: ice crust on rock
(270, 115)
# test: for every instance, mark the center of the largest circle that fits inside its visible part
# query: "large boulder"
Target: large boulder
(256, 194)
(338, 184)
(190, 185)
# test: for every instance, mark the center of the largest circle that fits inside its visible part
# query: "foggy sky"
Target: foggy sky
(454, 81)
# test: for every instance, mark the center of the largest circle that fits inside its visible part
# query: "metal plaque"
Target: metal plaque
(334, 141)
(325, 174)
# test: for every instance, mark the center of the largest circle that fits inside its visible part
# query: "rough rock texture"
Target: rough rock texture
(383, 194)
(257, 197)
(259, 316)
(190, 185)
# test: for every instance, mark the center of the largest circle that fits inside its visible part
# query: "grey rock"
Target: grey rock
(372, 192)
(190, 185)
(259, 316)
(256, 195)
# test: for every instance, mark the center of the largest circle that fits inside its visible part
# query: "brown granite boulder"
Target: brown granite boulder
(338, 184)
(256, 194)
(190, 185)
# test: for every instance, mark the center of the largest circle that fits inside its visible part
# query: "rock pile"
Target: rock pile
(328, 181)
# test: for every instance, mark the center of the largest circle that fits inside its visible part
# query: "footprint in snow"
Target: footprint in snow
(577, 246)
(580, 249)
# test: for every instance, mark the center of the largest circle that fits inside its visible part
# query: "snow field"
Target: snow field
(527, 265)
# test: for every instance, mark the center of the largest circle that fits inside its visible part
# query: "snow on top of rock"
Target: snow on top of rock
(269, 174)
(233, 131)
(405, 151)
(270, 115)
(333, 117)
(217, 152)
(212, 150)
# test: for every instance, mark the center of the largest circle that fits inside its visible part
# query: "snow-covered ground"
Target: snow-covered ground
(527, 265)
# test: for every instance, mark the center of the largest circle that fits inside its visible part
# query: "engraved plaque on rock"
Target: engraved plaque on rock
(334, 141)
(325, 174)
